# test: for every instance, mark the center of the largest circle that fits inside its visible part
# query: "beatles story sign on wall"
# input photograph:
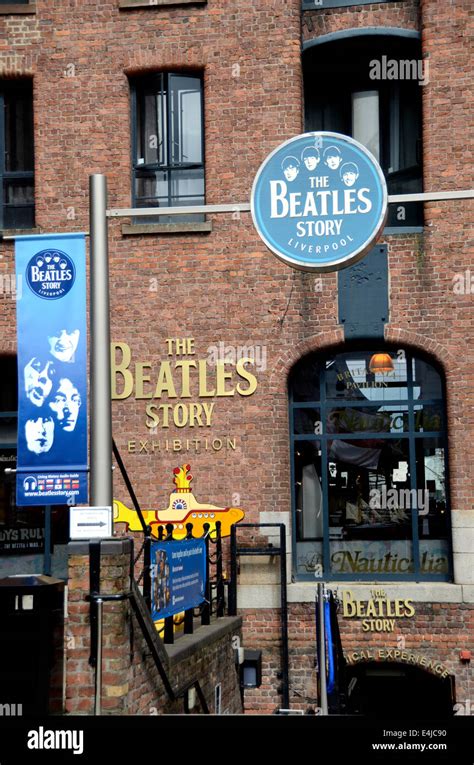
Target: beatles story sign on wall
(179, 391)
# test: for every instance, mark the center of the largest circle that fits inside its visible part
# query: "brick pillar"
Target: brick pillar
(80, 676)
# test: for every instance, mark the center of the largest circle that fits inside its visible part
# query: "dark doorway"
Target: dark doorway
(391, 690)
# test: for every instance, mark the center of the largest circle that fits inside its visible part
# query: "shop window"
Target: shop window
(370, 88)
(168, 144)
(369, 475)
(17, 208)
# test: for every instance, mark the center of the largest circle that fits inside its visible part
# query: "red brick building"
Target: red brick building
(178, 104)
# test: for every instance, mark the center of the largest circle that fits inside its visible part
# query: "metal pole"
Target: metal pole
(220, 591)
(284, 621)
(98, 669)
(323, 701)
(47, 541)
(207, 607)
(143, 212)
(232, 608)
(101, 491)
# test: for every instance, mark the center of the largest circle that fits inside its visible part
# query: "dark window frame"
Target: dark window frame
(161, 81)
(330, 102)
(9, 87)
(323, 405)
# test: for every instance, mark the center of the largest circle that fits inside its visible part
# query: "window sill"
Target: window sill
(131, 4)
(8, 10)
(268, 595)
(404, 230)
(12, 232)
(321, 5)
(136, 229)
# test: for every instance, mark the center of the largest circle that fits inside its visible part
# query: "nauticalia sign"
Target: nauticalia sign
(319, 201)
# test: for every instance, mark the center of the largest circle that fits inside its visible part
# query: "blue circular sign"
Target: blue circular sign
(319, 201)
(50, 274)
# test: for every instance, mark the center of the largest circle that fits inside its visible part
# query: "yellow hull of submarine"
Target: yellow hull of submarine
(178, 515)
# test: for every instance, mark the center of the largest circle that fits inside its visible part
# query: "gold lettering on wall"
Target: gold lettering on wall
(381, 612)
(397, 655)
(164, 384)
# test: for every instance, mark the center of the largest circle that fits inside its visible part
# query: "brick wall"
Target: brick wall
(438, 631)
(403, 15)
(133, 685)
(225, 285)
(212, 662)
(79, 674)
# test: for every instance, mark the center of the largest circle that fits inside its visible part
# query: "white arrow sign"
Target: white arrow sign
(90, 522)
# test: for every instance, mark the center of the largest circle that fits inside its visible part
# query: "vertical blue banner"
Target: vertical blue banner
(52, 375)
(178, 576)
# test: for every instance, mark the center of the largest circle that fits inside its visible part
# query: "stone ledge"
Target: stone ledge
(12, 232)
(462, 519)
(268, 596)
(468, 593)
(12, 9)
(136, 229)
(109, 546)
(187, 645)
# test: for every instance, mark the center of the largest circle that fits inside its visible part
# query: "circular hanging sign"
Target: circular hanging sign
(319, 201)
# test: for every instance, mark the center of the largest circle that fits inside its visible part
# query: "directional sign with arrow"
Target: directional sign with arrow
(90, 522)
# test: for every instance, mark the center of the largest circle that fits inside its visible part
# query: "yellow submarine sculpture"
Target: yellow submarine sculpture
(183, 508)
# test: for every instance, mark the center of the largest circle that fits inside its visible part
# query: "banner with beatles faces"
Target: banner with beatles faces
(52, 376)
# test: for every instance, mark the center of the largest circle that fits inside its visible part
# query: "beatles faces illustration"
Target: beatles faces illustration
(332, 157)
(290, 167)
(349, 173)
(311, 157)
(39, 432)
(38, 376)
(63, 345)
(65, 403)
(53, 395)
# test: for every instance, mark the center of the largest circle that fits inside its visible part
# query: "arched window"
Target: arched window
(369, 467)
